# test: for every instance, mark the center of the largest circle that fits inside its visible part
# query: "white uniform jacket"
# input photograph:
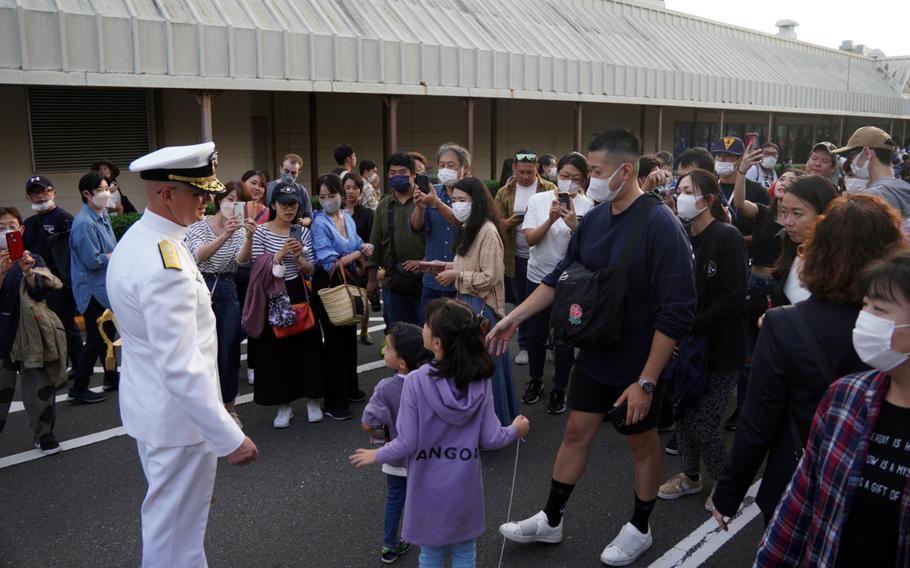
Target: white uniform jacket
(169, 390)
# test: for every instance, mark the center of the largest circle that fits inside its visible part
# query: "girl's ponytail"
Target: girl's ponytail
(465, 358)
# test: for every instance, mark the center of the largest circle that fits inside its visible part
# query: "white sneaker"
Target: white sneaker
(521, 358)
(533, 529)
(283, 418)
(250, 376)
(628, 545)
(313, 411)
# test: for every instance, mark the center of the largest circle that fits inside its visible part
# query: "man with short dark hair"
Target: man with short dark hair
(727, 153)
(869, 152)
(291, 165)
(765, 172)
(396, 248)
(694, 158)
(822, 161)
(345, 157)
(372, 188)
(659, 308)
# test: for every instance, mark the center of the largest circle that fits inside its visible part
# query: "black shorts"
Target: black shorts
(587, 395)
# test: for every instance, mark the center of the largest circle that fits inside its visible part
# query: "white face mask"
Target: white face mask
(860, 172)
(685, 206)
(567, 186)
(768, 162)
(599, 189)
(723, 169)
(855, 185)
(447, 175)
(462, 210)
(227, 209)
(552, 173)
(41, 207)
(331, 205)
(101, 199)
(872, 342)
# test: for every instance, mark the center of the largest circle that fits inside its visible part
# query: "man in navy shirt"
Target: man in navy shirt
(50, 220)
(659, 309)
(434, 218)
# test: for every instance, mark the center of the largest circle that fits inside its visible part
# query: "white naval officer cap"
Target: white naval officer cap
(193, 164)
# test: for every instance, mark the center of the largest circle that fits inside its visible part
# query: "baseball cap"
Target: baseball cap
(728, 145)
(868, 137)
(285, 193)
(826, 147)
(37, 181)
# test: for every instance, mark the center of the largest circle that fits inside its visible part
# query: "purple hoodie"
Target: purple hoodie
(441, 431)
(382, 410)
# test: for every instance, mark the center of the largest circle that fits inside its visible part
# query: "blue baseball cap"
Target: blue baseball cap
(728, 145)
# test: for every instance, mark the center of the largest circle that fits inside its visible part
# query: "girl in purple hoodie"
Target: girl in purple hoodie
(446, 418)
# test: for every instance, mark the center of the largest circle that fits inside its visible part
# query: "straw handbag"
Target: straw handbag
(345, 304)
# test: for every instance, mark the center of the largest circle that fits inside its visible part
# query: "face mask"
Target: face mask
(552, 174)
(872, 341)
(447, 175)
(101, 199)
(855, 185)
(723, 169)
(599, 189)
(330, 206)
(860, 172)
(567, 186)
(685, 206)
(462, 211)
(288, 177)
(401, 184)
(769, 162)
(41, 207)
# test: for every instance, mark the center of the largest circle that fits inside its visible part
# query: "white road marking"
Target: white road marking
(707, 539)
(89, 439)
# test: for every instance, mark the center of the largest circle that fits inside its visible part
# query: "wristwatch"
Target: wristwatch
(647, 385)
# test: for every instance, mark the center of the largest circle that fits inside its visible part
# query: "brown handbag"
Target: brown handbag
(304, 319)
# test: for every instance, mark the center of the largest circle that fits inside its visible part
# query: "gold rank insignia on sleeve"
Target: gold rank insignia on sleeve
(169, 255)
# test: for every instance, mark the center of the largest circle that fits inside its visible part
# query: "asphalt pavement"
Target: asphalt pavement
(303, 505)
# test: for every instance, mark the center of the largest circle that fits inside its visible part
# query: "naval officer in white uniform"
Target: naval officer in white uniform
(170, 400)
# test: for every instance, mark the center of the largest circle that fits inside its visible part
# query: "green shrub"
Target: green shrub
(492, 185)
(120, 223)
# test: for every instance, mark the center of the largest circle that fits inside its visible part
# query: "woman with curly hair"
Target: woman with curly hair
(787, 381)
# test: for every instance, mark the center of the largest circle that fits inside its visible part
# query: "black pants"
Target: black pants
(94, 347)
(340, 350)
(61, 302)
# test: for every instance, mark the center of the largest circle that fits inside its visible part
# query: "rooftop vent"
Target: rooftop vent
(786, 28)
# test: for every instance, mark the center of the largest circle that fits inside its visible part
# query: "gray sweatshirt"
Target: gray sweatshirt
(894, 191)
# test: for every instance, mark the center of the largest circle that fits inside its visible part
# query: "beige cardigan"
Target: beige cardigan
(480, 271)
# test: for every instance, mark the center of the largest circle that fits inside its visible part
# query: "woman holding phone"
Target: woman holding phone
(220, 243)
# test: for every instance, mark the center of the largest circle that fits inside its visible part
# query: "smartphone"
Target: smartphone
(617, 416)
(296, 232)
(423, 182)
(521, 216)
(379, 436)
(15, 245)
(434, 266)
(564, 200)
(239, 211)
(752, 139)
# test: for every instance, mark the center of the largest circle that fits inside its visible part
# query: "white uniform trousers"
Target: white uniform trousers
(176, 508)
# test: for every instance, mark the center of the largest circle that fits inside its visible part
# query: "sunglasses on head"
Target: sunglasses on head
(525, 157)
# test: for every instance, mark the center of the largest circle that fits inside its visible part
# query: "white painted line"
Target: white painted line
(17, 406)
(30, 455)
(707, 539)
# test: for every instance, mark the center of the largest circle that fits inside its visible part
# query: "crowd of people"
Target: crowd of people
(720, 279)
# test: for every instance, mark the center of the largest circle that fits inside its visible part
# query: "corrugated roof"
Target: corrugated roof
(589, 50)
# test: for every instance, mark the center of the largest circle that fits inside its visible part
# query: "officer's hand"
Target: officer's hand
(247, 453)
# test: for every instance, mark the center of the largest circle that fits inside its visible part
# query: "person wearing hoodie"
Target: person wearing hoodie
(404, 352)
(446, 418)
(869, 152)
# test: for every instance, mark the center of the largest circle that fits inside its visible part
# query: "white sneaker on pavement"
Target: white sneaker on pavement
(283, 418)
(628, 545)
(533, 529)
(313, 411)
(250, 376)
(521, 358)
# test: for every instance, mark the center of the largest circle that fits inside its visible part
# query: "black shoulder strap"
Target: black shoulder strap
(634, 235)
(390, 216)
(818, 356)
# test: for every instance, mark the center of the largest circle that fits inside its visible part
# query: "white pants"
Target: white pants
(176, 507)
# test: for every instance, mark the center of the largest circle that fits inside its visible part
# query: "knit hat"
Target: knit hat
(407, 341)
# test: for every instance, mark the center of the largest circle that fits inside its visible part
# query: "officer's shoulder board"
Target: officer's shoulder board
(169, 256)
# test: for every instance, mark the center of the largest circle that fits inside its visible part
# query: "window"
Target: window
(72, 128)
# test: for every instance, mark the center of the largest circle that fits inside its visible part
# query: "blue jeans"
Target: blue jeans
(538, 331)
(226, 306)
(519, 285)
(400, 307)
(430, 294)
(464, 555)
(394, 504)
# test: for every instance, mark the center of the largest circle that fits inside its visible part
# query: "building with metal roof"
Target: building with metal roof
(580, 65)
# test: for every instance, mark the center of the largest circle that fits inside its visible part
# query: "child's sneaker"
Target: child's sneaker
(390, 555)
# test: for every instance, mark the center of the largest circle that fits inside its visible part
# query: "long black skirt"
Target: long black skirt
(288, 368)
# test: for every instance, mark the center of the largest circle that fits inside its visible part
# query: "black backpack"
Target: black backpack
(588, 306)
(59, 246)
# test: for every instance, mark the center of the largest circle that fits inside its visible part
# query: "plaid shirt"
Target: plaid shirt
(806, 528)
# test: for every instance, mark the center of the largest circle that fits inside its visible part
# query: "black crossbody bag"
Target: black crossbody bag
(589, 304)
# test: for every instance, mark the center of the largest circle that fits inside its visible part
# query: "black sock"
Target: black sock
(642, 513)
(556, 502)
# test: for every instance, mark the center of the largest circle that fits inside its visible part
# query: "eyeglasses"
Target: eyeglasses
(525, 157)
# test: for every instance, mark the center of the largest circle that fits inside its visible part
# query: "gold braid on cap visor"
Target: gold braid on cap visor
(210, 184)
